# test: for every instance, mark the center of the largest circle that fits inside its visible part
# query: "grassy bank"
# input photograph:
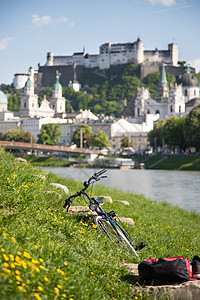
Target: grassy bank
(48, 254)
(190, 163)
(44, 161)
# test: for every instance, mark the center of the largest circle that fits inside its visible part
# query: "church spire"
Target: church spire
(163, 89)
(163, 78)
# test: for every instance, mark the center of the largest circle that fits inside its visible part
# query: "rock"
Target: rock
(80, 209)
(19, 159)
(122, 201)
(128, 221)
(41, 176)
(108, 198)
(189, 290)
(60, 186)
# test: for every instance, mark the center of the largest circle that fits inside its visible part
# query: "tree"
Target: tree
(173, 133)
(192, 128)
(49, 134)
(156, 136)
(19, 136)
(125, 142)
(100, 140)
(86, 135)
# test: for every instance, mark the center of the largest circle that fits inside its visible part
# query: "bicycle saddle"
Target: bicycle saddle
(100, 199)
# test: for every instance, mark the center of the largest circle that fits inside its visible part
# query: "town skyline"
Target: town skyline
(30, 30)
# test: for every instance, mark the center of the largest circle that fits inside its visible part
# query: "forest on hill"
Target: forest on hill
(104, 92)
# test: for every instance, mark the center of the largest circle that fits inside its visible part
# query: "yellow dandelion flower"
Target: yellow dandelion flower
(57, 291)
(40, 288)
(12, 265)
(65, 263)
(12, 257)
(35, 261)
(66, 278)
(59, 286)
(18, 278)
(21, 288)
(64, 295)
(5, 257)
(6, 264)
(13, 239)
(17, 272)
(37, 296)
(58, 244)
(19, 253)
(2, 250)
(46, 279)
(26, 254)
(42, 267)
(35, 246)
(92, 273)
(6, 270)
(41, 260)
(60, 252)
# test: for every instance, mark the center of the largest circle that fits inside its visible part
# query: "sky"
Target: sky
(29, 29)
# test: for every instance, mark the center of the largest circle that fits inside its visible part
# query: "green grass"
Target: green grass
(47, 161)
(46, 253)
(175, 163)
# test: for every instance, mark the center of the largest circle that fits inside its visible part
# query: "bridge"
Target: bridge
(46, 148)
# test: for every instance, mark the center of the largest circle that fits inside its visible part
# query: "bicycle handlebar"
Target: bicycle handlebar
(95, 177)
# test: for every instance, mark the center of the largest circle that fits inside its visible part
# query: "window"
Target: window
(171, 108)
(185, 92)
(24, 104)
(157, 112)
(148, 112)
(194, 92)
(179, 108)
(32, 104)
(138, 112)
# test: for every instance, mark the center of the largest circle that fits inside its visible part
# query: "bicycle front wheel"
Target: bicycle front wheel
(114, 232)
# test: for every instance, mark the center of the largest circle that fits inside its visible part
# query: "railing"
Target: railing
(42, 147)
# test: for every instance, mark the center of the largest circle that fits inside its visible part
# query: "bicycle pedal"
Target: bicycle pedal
(140, 246)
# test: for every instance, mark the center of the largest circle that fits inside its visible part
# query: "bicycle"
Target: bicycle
(107, 222)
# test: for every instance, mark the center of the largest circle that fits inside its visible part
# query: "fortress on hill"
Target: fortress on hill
(110, 54)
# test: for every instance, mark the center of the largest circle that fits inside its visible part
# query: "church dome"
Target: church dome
(3, 98)
(188, 79)
(57, 86)
(29, 83)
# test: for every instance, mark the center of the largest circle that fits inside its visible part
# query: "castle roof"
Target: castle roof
(3, 98)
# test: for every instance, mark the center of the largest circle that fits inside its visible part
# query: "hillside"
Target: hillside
(48, 254)
(103, 91)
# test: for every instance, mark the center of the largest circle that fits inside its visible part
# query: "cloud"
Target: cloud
(196, 64)
(163, 2)
(47, 20)
(4, 43)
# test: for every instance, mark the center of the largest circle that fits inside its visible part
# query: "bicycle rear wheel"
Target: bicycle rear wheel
(116, 235)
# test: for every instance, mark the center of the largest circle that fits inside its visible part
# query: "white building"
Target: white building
(115, 54)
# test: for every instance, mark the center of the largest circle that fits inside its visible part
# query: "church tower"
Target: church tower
(29, 101)
(57, 101)
(163, 89)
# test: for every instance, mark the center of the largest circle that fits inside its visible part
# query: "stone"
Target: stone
(123, 201)
(128, 221)
(80, 209)
(108, 198)
(189, 290)
(23, 160)
(60, 186)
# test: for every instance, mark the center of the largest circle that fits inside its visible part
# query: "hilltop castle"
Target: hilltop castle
(110, 54)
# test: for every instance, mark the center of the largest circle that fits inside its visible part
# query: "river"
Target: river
(180, 188)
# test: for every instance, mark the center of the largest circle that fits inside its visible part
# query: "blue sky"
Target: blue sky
(30, 29)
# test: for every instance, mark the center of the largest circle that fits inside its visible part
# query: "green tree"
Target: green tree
(125, 142)
(19, 136)
(156, 136)
(100, 140)
(192, 128)
(49, 134)
(173, 133)
(86, 135)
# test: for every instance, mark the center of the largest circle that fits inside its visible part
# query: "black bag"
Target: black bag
(163, 271)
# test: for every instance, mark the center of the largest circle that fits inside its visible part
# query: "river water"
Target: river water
(180, 188)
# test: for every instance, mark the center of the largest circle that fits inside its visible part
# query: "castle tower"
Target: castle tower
(139, 51)
(176, 101)
(57, 101)
(29, 101)
(163, 89)
(50, 59)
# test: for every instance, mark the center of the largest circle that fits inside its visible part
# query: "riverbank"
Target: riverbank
(46, 253)
(158, 162)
